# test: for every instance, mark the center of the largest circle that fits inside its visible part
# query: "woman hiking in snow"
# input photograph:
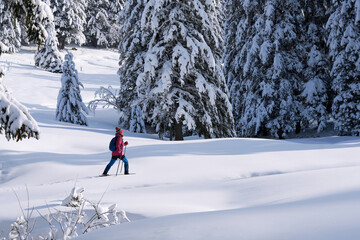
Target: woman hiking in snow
(118, 153)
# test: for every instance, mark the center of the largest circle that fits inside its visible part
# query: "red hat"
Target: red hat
(119, 130)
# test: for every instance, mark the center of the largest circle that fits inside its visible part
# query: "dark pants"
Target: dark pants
(113, 160)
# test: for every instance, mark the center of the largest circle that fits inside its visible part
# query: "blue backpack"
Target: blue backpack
(112, 144)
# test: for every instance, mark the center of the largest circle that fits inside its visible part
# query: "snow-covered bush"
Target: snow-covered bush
(15, 120)
(109, 97)
(79, 217)
(21, 229)
(70, 107)
(75, 199)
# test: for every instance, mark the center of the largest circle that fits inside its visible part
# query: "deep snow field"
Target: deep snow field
(194, 189)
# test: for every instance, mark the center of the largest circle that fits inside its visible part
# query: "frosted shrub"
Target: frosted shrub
(20, 229)
(79, 216)
(75, 199)
(109, 97)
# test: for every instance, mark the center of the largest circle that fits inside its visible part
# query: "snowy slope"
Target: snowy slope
(195, 189)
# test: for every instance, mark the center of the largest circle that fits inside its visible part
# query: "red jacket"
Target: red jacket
(119, 145)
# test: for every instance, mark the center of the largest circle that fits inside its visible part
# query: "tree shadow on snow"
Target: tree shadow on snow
(238, 146)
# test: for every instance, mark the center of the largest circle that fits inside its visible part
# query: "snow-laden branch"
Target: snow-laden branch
(15, 120)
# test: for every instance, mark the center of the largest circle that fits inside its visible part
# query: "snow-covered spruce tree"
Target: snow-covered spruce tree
(244, 89)
(38, 15)
(10, 32)
(115, 7)
(316, 84)
(132, 48)
(70, 107)
(48, 56)
(70, 19)
(15, 121)
(98, 25)
(33, 15)
(263, 65)
(344, 47)
(38, 20)
(182, 82)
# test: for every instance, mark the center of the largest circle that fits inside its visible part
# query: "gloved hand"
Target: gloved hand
(126, 143)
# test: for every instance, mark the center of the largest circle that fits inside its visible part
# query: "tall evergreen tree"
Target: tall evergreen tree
(115, 7)
(182, 82)
(98, 26)
(239, 34)
(32, 15)
(132, 48)
(316, 85)
(344, 46)
(263, 64)
(40, 17)
(70, 20)
(15, 121)
(70, 107)
(10, 32)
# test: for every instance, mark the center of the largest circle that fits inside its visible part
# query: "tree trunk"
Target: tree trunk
(207, 135)
(61, 43)
(298, 127)
(178, 131)
(280, 133)
(171, 133)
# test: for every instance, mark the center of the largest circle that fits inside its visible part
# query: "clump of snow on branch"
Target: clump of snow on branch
(75, 199)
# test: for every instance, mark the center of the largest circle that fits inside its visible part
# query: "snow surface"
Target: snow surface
(194, 189)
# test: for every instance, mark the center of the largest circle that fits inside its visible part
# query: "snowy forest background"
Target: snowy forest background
(211, 68)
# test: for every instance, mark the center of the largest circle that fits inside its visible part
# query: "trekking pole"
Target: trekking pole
(118, 167)
(122, 163)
